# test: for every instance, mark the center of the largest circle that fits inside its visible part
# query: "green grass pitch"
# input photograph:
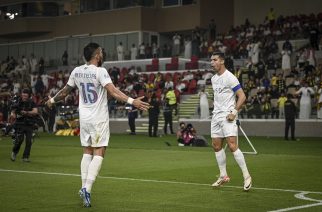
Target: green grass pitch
(144, 174)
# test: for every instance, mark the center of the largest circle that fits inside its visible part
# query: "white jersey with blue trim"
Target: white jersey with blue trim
(224, 87)
(90, 80)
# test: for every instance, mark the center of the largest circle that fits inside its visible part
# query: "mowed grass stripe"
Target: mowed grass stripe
(135, 160)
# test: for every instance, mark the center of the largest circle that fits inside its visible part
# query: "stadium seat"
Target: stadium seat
(174, 65)
(177, 93)
(168, 76)
(154, 66)
(193, 64)
(192, 87)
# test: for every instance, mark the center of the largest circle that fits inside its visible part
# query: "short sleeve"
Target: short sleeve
(103, 77)
(234, 83)
(71, 80)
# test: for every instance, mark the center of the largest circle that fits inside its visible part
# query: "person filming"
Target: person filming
(23, 113)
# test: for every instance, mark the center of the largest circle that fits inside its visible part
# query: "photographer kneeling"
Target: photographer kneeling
(186, 135)
(23, 113)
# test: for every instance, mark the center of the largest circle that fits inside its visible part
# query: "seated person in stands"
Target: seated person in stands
(181, 86)
(188, 76)
(207, 76)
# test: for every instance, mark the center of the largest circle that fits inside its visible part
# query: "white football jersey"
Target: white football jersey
(90, 80)
(224, 87)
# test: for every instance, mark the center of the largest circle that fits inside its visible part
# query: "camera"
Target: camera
(18, 105)
(15, 102)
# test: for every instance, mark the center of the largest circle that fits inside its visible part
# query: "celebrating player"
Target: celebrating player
(93, 83)
(223, 124)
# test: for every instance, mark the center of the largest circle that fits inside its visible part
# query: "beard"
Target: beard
(99, 63)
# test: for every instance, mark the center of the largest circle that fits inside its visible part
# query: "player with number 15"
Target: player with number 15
(93, 83)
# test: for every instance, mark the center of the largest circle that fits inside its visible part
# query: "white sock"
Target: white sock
(86, 160)
(93, 171)
(221, 160)
(239, 157)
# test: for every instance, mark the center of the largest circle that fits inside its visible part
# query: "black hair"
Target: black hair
(89, 51)
(220, 54)
(181, 123)
(27, 91)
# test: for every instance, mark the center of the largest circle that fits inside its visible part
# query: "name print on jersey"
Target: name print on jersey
(85, 75)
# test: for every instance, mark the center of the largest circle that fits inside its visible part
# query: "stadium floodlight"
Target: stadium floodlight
(254, 152)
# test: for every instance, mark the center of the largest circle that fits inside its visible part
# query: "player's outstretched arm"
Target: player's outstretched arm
(119, 95)
(59, 96)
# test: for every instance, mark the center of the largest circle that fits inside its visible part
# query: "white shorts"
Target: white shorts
(94, 134)
(221, 128)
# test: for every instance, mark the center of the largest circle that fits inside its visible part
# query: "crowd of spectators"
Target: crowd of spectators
(248, 39)
(266, 78)
(239, 42)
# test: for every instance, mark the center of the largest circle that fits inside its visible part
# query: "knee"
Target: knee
(217, 147)
(233, 147)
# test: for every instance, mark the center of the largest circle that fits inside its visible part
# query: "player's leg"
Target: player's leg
(220, 155)
(217, 143)
(90, 168)
(86, 160)
(94, 167)
(99, 134)
(240, 159)
(231, 131)
(221, 161)
(88, 151)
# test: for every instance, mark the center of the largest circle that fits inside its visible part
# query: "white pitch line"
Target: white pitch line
(297, 207)
(158, 181)
(302, 197)
(299, 194)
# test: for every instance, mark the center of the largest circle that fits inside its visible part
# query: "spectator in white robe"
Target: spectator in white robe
(120, 52)
(286, 62)
(134, 52)
(204, 105)
(33, 63)
(305, 101)
(255, 53)
(311, 56)
(45, 78)
(187, 48)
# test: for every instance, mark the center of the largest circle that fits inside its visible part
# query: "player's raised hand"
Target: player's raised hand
(138, 103)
